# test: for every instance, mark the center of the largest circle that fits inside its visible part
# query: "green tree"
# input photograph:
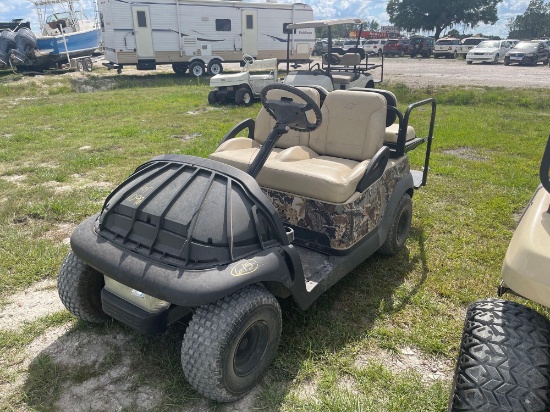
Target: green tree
(453, 33)
(534, 23)
(437, 15)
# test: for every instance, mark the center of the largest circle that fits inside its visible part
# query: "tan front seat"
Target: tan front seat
(339, 151)
(239, 152)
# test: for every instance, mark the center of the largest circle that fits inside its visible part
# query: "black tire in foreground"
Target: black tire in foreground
(229, 344)
(400, 227)
(504, 359)
(79, 287)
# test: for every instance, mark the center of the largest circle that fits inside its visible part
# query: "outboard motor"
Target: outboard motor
(25, 44)
(7, 42)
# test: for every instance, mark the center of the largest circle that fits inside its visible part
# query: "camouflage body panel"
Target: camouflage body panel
(344, 223)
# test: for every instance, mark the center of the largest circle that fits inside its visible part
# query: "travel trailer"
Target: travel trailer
(200, 35)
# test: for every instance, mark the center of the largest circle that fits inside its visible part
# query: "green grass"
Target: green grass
(66, 142)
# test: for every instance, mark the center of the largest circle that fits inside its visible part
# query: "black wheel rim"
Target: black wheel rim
(403, 227)
(251, 348)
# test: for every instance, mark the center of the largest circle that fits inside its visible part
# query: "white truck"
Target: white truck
(200, 35)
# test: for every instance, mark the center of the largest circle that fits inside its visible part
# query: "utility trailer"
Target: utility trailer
(200, 35)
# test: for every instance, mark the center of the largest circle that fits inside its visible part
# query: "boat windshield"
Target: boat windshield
(57, 16)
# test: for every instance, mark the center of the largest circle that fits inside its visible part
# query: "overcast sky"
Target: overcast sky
(322, 9)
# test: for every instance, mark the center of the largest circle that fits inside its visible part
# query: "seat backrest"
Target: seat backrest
(350, 59)
(265, 123)
(353, 125)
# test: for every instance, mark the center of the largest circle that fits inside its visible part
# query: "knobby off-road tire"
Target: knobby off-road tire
(504, 360)
(229, 344)
(79, 287)
(400, 227)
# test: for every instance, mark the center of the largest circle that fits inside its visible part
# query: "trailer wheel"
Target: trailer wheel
(179, 68)
(196, 69)
(504, 359)
(214, 67)
(88, 65)
(244, 96)
(212, 97)
(229, 344)
(79, 287)
(79, 65)
(400, 227)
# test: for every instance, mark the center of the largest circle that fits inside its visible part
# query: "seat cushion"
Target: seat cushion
(239, 152)
(393, 130)
(300, 170)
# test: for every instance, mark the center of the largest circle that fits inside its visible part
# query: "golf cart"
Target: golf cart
(243, 87)
(324, 188)
(504, 358)
(340, 69)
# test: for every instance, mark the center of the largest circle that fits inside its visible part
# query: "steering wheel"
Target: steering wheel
(288, 112)
(248, 59)
(334, 59)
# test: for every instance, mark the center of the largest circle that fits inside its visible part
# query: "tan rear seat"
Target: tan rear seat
(239, 152)
(339, 151)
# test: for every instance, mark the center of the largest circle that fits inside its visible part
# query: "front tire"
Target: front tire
(504, 359)
(229, 344)
(244, 96)
(79, 287)
(400, 227)
(212, 97)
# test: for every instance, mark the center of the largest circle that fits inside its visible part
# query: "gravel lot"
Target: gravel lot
(450, 72)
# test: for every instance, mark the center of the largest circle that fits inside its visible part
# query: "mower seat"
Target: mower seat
(239, 152)
(330, 167)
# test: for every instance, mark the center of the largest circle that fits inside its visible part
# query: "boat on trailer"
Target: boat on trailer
(67, 38)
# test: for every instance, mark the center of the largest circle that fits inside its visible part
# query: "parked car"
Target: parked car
(528, 52)
(469, 43)
(375, 46)
(320, 47)
(447, 47)
(396, 47)
(421, 45)
(489, 51)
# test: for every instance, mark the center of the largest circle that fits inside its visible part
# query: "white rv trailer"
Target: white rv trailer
(201, 34)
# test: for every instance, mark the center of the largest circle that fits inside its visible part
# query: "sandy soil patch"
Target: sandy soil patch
(409, 359)
(40, 300)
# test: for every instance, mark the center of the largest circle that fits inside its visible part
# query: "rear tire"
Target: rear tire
(400, 227)
(229, 344)
(214, 67)
(88, 64)
(79, 287)
(469, 62)
(504, 359)
(196, 69)
(244, 96)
